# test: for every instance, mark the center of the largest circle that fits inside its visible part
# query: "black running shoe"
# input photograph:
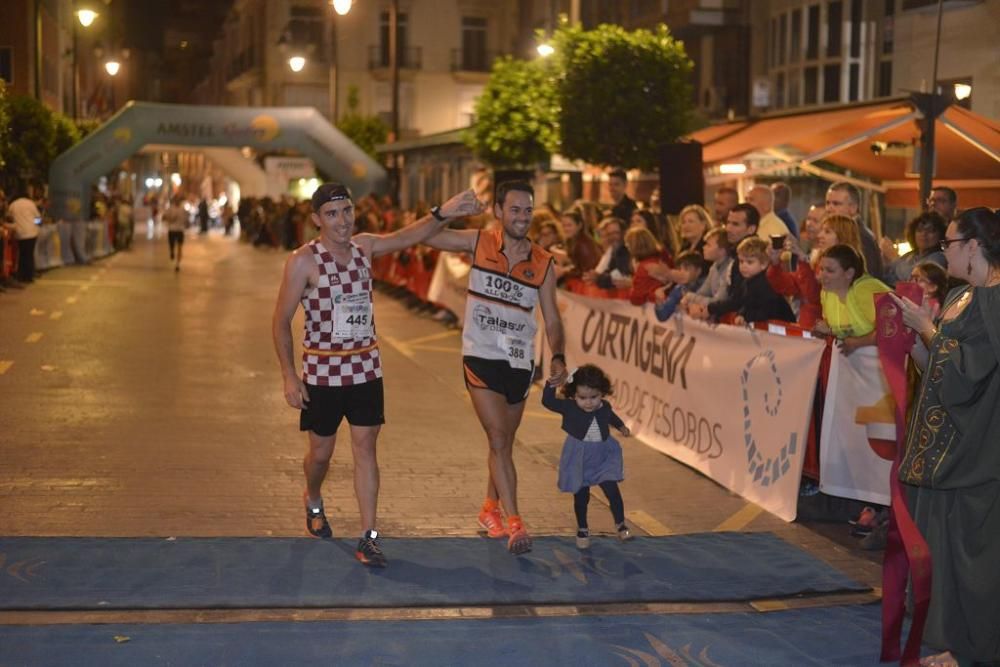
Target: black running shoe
(368, 551)
(316, 523)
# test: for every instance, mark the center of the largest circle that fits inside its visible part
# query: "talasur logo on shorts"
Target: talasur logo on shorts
(486, 320)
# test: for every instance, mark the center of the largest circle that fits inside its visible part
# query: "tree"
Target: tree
(67, 133)
(366, 131)
(31, 144)
(516, 116)
(621, 95)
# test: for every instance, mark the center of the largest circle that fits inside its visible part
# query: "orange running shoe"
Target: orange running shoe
(519, 541)
(491, 521)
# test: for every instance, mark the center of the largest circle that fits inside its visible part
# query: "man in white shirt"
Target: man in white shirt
(24, 219)
(762, 198)
(176, 219)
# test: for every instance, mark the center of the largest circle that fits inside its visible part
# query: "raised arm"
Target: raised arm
(454, 240)
(293, 284)
(553, 327)
(461, 205)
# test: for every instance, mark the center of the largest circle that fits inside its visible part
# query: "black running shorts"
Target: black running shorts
(497, 375)
(363, 405)
(175, 238)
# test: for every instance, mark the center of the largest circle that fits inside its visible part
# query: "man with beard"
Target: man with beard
(510, 275)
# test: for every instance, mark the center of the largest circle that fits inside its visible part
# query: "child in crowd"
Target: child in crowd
(645, 251)
(718, 252)
(590, 456)
(759, 301)
(691, 267)
(934, 281)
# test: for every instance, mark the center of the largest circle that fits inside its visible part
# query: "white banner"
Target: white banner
(449, 283)
(858, 405)
(730, 402)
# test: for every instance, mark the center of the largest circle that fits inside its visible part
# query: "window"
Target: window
(779, 96)
(812, 38)
(793, 88)
(855, 80)
(856, 19)
(7, 64)
(474, 44)
(782, 39)
(774, 42)
(384, 38)
(885, 78)
(810, 86)
(831, 83)
(834, 28)
(796, 48)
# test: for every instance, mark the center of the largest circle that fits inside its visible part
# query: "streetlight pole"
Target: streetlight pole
(394, 63)
(340, 8)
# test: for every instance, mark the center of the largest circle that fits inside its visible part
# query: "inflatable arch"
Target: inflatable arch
(302, 129)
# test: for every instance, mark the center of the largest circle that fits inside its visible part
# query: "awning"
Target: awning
(967, 146)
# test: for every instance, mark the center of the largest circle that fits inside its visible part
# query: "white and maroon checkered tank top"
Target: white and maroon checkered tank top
(340, 347)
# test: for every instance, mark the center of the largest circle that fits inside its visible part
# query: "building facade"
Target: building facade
(446, 48)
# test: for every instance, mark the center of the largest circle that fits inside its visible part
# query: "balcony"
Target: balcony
(243, 65)
(378, 57)
(474, 60)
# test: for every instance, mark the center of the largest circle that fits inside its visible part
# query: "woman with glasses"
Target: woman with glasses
(951, 461)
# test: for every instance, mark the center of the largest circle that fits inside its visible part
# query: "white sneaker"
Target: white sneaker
(583, 539)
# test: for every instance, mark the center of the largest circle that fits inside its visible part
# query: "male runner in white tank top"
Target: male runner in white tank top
(341, 370)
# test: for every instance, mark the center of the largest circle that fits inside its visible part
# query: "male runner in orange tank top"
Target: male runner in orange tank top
(510, 275)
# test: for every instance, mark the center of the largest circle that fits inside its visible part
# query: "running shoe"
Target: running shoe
(368, 551)
(492, 522)
(583, 539)
(316, 522)
(519, 541)
(624, 534)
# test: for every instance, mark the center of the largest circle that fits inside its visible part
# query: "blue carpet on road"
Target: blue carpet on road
(828, 636)
(150, 573)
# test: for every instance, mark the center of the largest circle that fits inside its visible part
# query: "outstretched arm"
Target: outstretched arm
(461, 205)
(553, 327)
(454, 240)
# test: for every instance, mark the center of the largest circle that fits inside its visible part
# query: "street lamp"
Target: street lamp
(86, 17)
(341, 6)
(545, 49)
(296, 63)
(112, 67)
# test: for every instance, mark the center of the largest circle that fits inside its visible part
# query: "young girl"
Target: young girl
(590, 455)
(934, 281)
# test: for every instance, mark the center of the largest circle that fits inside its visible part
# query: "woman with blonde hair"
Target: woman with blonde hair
(837, 230)
(695, 222)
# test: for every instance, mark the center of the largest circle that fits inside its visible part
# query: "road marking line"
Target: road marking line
(93, 277)
(36, 312)
(33, 337)
(437, 336)
(56, 314)
(5, 366)
(769, 605)
(399, 345)
(71, 299)
(741, 519)
(647, 523)
(84, 288)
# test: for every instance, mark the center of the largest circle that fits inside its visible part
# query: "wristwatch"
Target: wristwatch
(436, 212)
